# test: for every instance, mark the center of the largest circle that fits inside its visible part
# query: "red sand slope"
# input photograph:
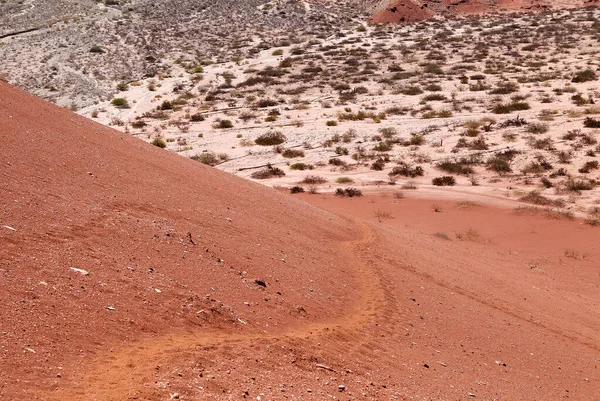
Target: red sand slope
(353, 307)
(418, 10)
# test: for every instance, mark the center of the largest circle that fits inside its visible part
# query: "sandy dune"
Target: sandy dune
(129, 272)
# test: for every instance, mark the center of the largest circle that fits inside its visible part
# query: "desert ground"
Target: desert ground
(326, 208)
(503, 106)
(130, 272)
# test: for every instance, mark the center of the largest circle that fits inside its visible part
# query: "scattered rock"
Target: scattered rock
(80, 271)
(325, 367)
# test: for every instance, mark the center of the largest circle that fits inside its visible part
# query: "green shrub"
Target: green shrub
(499, 165)
(208, 158)
(301, 166)
(331, 123)
(337, 162)
(120, 102)
(278, 52)
(291, 153)
(270, 138)
(122, 87)
(223, 124)
(344, 180)
(159, 142)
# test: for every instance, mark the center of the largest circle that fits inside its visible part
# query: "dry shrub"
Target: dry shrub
(550, 213)
(313, 180)
(383, 214)
(472, 235)
(537, 199)
(466, 204)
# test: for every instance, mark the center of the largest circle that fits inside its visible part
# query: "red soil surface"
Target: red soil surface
(379, 306)
(418, 10)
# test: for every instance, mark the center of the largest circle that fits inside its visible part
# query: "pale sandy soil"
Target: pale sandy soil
(541, 71)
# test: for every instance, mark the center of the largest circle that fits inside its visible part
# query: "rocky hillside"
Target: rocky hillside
(74, 51)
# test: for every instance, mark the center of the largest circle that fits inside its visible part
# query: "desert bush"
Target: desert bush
(336, 161)
(589, 166)
(575, 185)
(384, 146)
(446, 180)
(313, 180)
(584, 76)
(267, 172)
(296, 190)
(331, 123)
(166, 105)
(460, 167)
(223, 124)
(270, 138)
(96, 49)
(537, 128)
(208, 158)
(593, 217)
(406, 170)
(291, 153)
(411, 90)
(121, 87)
(537, 199)
(159, 142)
(507, 108)
(438, 114)
(138, 124)
(590, 122)
(263, 103)
(504, 88)
(120, 102)
(197, 117)
(471, 235)
(349, 192)
(434, 97)
(344, 180)
(378, 164)
(301, 166)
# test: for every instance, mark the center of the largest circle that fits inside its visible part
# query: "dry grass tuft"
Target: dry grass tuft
(472, 235)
